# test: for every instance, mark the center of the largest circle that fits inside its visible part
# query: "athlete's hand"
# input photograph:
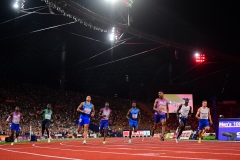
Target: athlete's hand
(211, 122)
(92, 115)
(168, 116)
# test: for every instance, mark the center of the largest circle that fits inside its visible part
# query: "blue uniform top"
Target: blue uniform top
(134, 114)
(88, 110)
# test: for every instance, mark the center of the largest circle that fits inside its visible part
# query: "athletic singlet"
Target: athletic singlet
(184, 111)
(106, 112)
(134, 114)
(204, 113)
(162, 106)
(16, 118)
(87, 108)
(47, 115)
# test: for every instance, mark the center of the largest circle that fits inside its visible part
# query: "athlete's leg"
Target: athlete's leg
(135, 126)
(201, 128)
(47, 129)
(206, 128)
(180, 128)
(130, 128)
(105, 129)
(80, 124)
(85, 131)
(13, 128)
(12, 136)
(43, 128)
(105, 134)
(156, 121)
(101, 127)
(163, 121)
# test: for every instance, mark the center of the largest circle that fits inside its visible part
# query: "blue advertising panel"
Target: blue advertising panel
(231, 125)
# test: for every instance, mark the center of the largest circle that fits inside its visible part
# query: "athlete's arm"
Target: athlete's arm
(93, 111)
(40, 112)
(167, 109)
(10, 116)
(209, 116)
(79, 107)
(178, 110)
(139, 116)
(21, 118)
(128, 113)
(190, 112)
(110, 114)
(197, 114)
(155, 105)
(100, 113)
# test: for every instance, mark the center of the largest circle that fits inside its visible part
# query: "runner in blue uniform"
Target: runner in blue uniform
(87, 110)
(134, 117)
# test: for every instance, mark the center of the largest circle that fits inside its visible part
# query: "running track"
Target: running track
(118, 148)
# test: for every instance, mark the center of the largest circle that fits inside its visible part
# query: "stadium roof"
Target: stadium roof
(31, 52)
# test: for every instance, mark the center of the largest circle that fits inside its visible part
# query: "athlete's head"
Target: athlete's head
(106, 104)
(161, 94)
(134, 104)
(186, 101)
(88, 98)
(17, 109)
(49, 106)
(204, 103)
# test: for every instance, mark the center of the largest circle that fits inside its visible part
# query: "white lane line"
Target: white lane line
(41, 155)
(122, 153)
(149, 149)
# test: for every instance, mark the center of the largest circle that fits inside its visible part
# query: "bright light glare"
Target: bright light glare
(16, 5)
(111, 37)
(113, 1)
(197, 55)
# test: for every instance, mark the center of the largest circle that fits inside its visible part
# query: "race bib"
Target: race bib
(185, 113)
(16, 120)
(87, 111)
(134, 116)
(48, 116)
(162, 108)
(107, 115)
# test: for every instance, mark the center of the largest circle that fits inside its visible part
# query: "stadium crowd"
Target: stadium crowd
(32, 98)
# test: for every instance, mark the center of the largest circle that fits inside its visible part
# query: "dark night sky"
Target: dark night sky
(204, 25)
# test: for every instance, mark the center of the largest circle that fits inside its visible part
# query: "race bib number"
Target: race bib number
(134, 116)
(162, 108)
(107, 115)
(204, 115)
(87, 111)
(185, 113)
(48, 116)
(16, 120)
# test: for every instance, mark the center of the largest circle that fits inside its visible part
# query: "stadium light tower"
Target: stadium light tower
(199, 58)
(113, 34)
(18, 4)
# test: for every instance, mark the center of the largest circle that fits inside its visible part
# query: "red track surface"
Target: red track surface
(118, 148)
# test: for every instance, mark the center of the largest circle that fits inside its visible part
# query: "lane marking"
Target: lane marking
(122, 153)
(41, 155)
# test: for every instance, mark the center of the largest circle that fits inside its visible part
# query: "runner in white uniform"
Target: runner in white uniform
(105, 114)
(15, 125)
(185, 111)
(203, 114)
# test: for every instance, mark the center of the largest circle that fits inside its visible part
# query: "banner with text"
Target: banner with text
(141, 133)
